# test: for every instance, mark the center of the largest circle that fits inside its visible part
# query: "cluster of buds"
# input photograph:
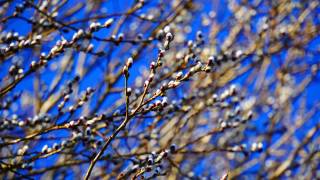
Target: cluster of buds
(58, 48)
(7, 37)
(227, 99)
(46, 149)
(6, 124)
(45, 23)
(151, 164)
(16, 43)
(256, 146)
(66, 98)
(153, 67)
(39, 121)
(78, 35)
(72, 123)
(95, 26)
(225, 57)
(66, 92)
(82, 134)
(89, 91)
(82, 100)
(157, 105)
(166, 36)
(16, 71)
(22, 150)
(234, 119)
(55, 147)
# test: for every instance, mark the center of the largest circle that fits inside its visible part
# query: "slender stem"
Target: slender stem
(122, 126)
